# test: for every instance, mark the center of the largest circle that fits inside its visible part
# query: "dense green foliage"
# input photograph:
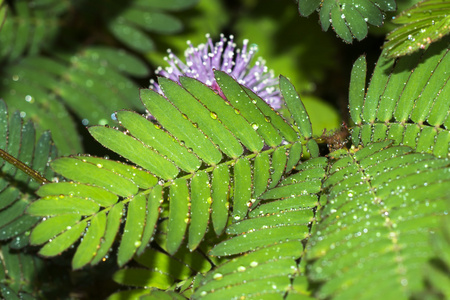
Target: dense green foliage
(218, 195)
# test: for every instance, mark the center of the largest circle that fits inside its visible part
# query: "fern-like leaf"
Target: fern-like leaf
(18, 139)
(204, 149)
(423, 24)
(19, 271)
(91, 81)
(23, 275)
(30, 26)
(407, 101)
(18, 274)
(278, 220)
(348, 18)
(92, 87)
(158, 270)
(381, 205)
(260, 274)
(271, 238)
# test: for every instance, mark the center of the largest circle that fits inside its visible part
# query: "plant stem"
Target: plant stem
(23, 167)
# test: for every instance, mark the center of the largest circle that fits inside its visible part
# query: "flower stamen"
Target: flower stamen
(201, 61)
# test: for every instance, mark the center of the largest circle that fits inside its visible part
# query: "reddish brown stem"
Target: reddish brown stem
(23, 167)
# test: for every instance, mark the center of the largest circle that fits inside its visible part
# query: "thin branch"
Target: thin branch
(23, 167)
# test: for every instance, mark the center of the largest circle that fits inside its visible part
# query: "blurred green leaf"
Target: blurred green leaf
(3, 12)
(134, 23)
(29, 27)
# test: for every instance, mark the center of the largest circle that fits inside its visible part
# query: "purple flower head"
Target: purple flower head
(202, 60)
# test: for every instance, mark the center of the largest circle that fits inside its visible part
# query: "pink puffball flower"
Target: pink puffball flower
(201, 61)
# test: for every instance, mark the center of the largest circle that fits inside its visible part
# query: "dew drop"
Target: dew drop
(29, 99)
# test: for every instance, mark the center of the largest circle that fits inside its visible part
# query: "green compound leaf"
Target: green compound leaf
(284, 218)
(222, 113)
(423, 24)
(202, 118)
(18, 139)
(93, 83)
(348, 18)
(90, 81)
(24, 275)
(243, 105)
(160, 141)
(381, 204)
(416, 114)
(93, 196)
(231, 154)
(179, 125)
(29, 27)
(76, 169)
(262, 274)
(135, 151)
